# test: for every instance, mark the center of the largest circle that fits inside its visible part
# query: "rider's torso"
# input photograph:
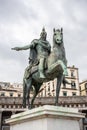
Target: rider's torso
(41, 51)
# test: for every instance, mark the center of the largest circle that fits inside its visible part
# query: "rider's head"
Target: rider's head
(43, 34)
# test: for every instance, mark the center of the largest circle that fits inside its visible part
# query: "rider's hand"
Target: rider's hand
(15, 48)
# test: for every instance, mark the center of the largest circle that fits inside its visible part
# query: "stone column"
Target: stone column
(0, 120)
(46, 118)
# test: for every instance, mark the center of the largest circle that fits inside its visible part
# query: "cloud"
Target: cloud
(21, 21)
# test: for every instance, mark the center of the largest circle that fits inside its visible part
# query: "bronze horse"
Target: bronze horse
(55, 62)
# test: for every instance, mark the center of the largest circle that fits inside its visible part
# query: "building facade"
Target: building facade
(11, 91)
(83, 88)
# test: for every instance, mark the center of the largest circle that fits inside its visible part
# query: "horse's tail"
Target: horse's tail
(24, 94)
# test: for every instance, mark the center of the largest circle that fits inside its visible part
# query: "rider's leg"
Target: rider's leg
(41, 67)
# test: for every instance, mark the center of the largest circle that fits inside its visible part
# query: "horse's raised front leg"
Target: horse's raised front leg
(28, 88)
(59, 81)
(37, 88)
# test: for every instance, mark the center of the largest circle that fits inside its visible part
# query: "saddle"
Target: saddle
(33, 67)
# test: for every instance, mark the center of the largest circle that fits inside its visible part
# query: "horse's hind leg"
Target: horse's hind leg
(29, 85)
(59, 81)
(37, 88)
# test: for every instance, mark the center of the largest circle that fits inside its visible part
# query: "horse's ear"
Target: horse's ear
(54, 30)
(62, 30)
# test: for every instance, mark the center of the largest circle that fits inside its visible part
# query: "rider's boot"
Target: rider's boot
(65, 72)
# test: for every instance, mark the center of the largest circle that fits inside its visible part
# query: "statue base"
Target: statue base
(46, 117)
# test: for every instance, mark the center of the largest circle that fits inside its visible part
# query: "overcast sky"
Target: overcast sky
(21, 21)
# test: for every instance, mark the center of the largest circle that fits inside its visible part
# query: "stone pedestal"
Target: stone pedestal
(46, 118)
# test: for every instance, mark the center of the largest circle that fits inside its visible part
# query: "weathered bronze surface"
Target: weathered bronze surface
(45, 65)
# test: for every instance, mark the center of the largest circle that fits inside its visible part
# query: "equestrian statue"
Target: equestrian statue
(44, 65)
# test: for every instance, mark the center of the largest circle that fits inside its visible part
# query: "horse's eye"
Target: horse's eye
(54, 33)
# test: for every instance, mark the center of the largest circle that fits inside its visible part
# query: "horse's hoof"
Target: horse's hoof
(29, 107)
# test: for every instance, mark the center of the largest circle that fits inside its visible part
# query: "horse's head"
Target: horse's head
(58, 36)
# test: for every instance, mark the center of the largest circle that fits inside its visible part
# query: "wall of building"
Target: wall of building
(83, 88)
(11, 91)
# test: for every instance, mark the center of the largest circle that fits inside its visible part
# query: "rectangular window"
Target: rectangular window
(49, 88)
(73, 93)
(2, 94)
(72, 73)
(64, 85)
(64, 93)
(11, 94)
(19, 95)
(86, 86)
(73, 84)
(53, 85)
(49, 94)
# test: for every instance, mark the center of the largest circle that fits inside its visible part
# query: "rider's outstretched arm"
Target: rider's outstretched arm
(22, 48)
